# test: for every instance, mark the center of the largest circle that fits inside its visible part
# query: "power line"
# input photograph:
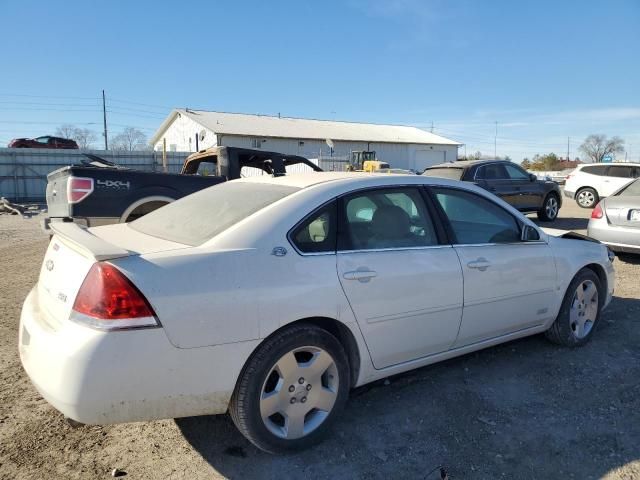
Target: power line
(46, 96)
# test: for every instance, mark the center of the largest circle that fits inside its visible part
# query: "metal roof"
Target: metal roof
(287, 127)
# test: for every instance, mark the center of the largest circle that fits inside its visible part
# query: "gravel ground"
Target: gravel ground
(525, 409)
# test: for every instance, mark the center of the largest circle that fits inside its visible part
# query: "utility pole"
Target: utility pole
(568, 159)
(495, 143)
(104, 116)
(431, 126)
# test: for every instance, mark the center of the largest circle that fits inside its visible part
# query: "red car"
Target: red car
(43, 142)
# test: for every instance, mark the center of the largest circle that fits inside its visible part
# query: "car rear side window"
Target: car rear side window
(493, 171)
(445, 172)
(620, 171)
(201, 216)
(595, 169)
(317, 233)
(475, 219)
(386, 218)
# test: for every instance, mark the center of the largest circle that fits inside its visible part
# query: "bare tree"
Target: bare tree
(597, 146)
(84, 137)
(66, 131)
(129, 139)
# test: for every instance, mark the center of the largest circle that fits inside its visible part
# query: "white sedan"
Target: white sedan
(270, 298)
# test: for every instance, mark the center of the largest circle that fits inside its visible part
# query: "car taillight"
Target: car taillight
(567, 177)
(597, 212)
(78, 189)
(109, 301)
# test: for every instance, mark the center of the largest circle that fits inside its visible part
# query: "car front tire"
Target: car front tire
(580, 311)
(550, 208)
(587, 198)
(291, 389)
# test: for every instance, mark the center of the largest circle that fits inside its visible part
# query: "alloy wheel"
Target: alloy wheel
(586, 198)
(551, 208)
(299, 392)
(584, 309)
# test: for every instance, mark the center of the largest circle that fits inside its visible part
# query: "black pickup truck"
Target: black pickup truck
(99, 192)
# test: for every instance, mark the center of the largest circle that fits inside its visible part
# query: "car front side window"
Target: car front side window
(516, 173)
(386, 218)
(475, 219)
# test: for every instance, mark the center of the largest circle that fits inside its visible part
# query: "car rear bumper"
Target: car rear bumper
(99, 377)
(617, 238)
(568, 194)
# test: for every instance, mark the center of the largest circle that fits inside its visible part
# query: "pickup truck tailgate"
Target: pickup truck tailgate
(57, 203)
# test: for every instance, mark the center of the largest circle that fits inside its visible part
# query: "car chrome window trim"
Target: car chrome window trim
(436, 221)
(395, 249)
(532, 242)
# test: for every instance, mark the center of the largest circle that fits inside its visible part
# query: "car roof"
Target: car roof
(465, 163)
(612, 164)
(350, 179)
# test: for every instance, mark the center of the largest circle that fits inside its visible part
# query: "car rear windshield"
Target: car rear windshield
(631, 190)
(447, 172)
(201, 216)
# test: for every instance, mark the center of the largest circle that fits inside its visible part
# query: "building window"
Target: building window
(256, 143)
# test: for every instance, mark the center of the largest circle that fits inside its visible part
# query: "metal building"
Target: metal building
(186, 130)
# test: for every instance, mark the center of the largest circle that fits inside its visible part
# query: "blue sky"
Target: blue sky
(544, 70)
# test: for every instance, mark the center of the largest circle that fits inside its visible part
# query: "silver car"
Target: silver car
(616, 220)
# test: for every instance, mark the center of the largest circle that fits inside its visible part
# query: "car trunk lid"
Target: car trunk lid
(71, 253)
(623, 211)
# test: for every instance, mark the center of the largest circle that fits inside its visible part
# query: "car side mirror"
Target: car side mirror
(529, 234)
(532, 177)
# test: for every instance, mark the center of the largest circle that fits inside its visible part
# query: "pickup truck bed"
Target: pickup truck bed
(117, 193)
(94, 195)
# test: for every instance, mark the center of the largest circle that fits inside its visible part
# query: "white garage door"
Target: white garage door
(425, 158)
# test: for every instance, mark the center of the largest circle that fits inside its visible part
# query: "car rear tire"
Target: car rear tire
(587, 197)
(580, 311)
(291, 389)
(550, 208)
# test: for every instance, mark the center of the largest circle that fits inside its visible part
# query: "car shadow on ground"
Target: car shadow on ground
(524, 409)
(628, 258)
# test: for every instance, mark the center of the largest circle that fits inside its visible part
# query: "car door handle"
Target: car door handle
(481, 264)
(360, 275)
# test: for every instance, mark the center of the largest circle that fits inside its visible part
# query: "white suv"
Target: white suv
(588, 183)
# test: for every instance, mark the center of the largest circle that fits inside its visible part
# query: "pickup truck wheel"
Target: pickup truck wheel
(291, 389)
(580, 311)
(587, 197)
(550, 208)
